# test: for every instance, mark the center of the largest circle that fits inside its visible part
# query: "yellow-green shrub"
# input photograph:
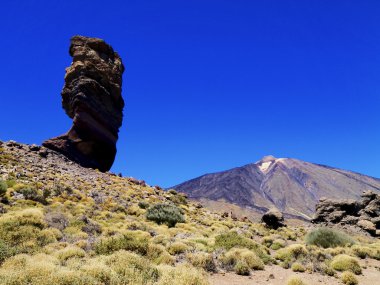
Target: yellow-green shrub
(69, 252)
(235, 255)
(181, 275)
(349, 278)
(202, 260)
(291, 252)
(135, 241)
(177, 247)
(343, 262)
(298, 267)
(21, 229)
(294, 280)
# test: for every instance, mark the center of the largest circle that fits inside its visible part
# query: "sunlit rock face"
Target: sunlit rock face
(92, 97)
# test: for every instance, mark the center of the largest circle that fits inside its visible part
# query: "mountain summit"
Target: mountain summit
(291, 185)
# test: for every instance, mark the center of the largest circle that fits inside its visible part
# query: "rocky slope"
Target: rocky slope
(291, 185)
(92, 98)
(64, 224)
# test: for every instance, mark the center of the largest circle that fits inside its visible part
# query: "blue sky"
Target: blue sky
(209, 84)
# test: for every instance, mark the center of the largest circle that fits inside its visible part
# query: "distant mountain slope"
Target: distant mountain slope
(292, 185)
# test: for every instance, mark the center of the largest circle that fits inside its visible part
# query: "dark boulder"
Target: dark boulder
(273, 218)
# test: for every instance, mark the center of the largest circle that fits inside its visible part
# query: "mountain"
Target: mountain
(291, 185)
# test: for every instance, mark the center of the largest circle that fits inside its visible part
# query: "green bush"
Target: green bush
(3, 187)
(327, 238)
(5, 251)
(165, 214)
(143, 205)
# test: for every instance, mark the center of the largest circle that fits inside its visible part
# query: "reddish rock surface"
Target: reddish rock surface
(92, 97)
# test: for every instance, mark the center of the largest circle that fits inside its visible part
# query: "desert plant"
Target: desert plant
(343, 262)
(202, 260)
(328, 238)
(3, 187)
(233, 239)
(236, 255)
(143, 205)
(291, 252)
(177, 247)
(132, 241)
(165, 214)
(349, 278)
(298, 267)
(295, 280)
(242, 268)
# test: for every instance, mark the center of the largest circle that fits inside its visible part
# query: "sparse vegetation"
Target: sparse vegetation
(328, 238)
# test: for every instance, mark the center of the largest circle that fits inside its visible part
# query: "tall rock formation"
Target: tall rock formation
(92, 97)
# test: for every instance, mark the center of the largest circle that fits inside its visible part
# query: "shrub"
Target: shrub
(158, 254)
(294, 280)
(277, 244)
(372, 251)
(177, 247)
(5, 251)
(21, 229)
(165, 214)
(235, 255)
(181, 275)
(349, 278)
(134, 241)
(343, 262)
(31, 193)
(298, 267)
(327, 238)
(291, 252)
(172, 191)
(202, 260)
(143, 205)
(242, 268)
(3, 187)
(233, 239)
(69, 252)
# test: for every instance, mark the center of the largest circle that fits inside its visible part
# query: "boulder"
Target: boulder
(91, 97)
(273, 218)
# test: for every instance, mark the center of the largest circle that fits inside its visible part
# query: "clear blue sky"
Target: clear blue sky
(209, 84)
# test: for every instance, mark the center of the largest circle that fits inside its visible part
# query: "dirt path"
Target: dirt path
(370, 276)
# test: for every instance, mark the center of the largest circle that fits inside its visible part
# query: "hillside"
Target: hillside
(64, 224)
(291, 185)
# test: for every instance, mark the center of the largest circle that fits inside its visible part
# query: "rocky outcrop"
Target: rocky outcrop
(363, 214)
(273, 219)
(92, 97)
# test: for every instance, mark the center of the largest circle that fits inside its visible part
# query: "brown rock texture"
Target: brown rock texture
(92, 97)
(273, 218)
(363, 214)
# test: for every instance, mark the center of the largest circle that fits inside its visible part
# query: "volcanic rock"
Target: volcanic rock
(363, 214)
(92, 97)
(273, 218)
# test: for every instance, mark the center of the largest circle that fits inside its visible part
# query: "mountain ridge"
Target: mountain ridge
(291, 185)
